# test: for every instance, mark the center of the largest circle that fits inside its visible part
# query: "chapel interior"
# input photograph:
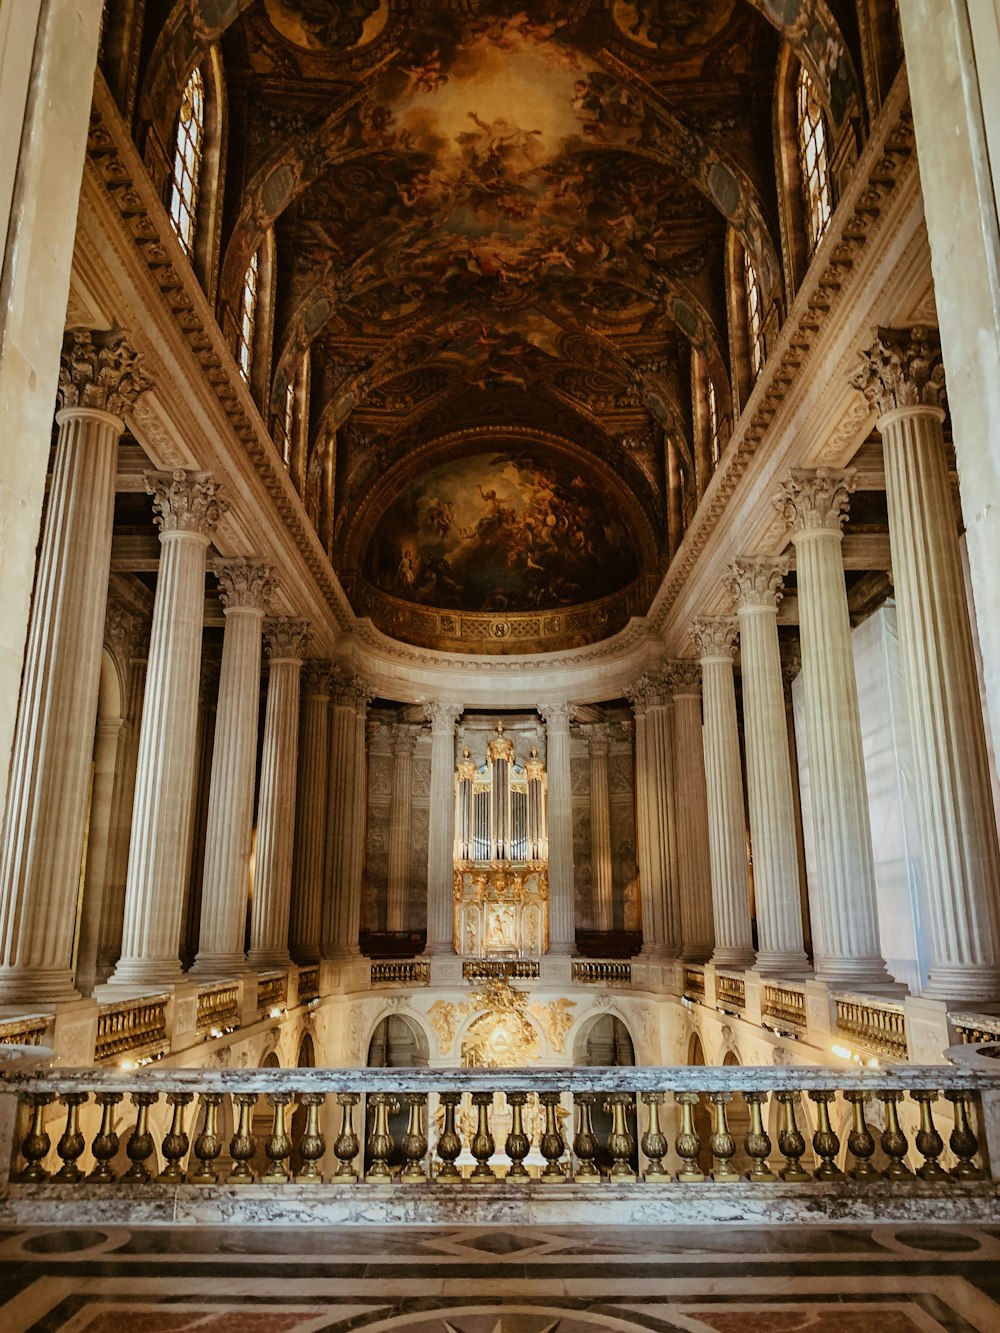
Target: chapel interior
(499, 531)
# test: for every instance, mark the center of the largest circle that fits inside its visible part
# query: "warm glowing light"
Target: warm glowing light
(844, 1052)
(274, 1011)
(127, 1064)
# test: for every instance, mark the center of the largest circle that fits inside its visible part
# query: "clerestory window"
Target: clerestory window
(248, 317)
(813, 160)
(189, 149)
(755, 321)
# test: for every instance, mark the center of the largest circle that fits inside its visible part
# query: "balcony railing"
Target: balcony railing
(730, 992)
(602, 972)
(219, 1008)
(136, 1026)
(783, 1006)
(401, 972)
(501, 969)
(694, 982)
(878, 1025)
(30, 1031)
(272, 992)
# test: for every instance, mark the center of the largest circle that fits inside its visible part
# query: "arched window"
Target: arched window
(248, 318)
(813, 159)
(189, 151)
(286, 426)
(755, 322)
(714, 439)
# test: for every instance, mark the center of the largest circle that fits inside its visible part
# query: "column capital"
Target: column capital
(598, 736)
(902, 368)
(317, 678)
(715, 637)
(403, 738)
(244, 585)
(286, 637)
(100, 371)
(649, 690)
(185, 501)
(557, 717)
(756, 580)
(683, 677)
(442, 715)
(816, 501)
(351, 691)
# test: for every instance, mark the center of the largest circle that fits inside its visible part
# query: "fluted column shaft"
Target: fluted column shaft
(724, 785)
(654, 799)
(441, 832)
(844, 906)
(311, 806)
(346, 832)
(188, 508)
(562, 925)
(755, 585)
(399, 829)
(272, 886)
(599, 742)
(694, 871)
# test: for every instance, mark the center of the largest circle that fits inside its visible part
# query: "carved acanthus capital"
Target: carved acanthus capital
(287, 638)
(756, 580)
(442, 715)
(715, 637)
(684, 677)
(649, 690)
(100, 370)
(244, 585)
(317, 678)
(185, 501)
(816, 501)
(598, 737)
(350, 691)
(557, 717)
(403, 738)
(902, 368)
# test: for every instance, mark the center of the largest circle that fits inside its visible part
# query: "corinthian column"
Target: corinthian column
(46, 815)
(715, 640)
(756, 586)
(599, 744)
(246, 589)
(310, 840)
(694, 871)
(903, 379)
(562, 927)
(187, 507)
(844, 908)
(441, 833)
(346, 836)
(654, 801)
(286, 639)
(403, 740)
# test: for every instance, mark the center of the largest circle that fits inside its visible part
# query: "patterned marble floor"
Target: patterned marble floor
(567, 1280)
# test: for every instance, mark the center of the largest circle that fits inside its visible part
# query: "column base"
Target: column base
(790, 963)
(219, 967)
(733, 958)
(859, 974)
(958, 985)
(37, 985)
(696, 953)
(306, 957)
(269, 961)
(141, 975)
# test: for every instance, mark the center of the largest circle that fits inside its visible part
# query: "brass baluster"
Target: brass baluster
(175, 1142)
(483, 1145)
(654, 1142)
(140, 1146)
(963, 1141)
(722, 1143)
(757, 1141)
(208, 1145)
(242, 1145)
(36, 1144)
(278, 1145)
(449, 1144)
(620, 1140)
(860, 1141)
(414, 1140)
(312, 1144)
(518, 1144)
(826, 1144)
(552, 1145)
(380, 1140)
(71, 1143)
(688, 1142)
(105, 1144)
(930, 1144)
(894, 1141)
(346, 1145)
(585, 1143)
(791, 1144)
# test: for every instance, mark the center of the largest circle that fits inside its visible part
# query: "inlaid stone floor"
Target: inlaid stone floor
(566, 1280)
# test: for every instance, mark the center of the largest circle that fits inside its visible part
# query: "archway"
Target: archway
(396, 1043)
(606, 1042)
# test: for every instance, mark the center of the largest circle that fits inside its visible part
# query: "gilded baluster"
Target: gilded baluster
(791, 1144)
(312, 1144)
(347, 1145)
(826, 1144)
(654, 1142)
(518, 1144)
(380, 1140)
(894, 1141)
(140, 1146)
(414, 1140)
(620, 1141)
(688, 1143)
(242, 1145)
(722, 1143)
(175, 1141)
(552, 1145)
(963, 1141)
(208, 1145)
(930, 1144)
(105, 1144)
(278, 1145)
(449, 1144)
(483, 1145)
(36, 1144)
(71, 1142)
(757, 1141)
(585, 1143)
(860, 1141)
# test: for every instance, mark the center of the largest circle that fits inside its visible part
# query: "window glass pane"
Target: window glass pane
(248, 317)
(755, 322)
(813, 164)
(188, 150)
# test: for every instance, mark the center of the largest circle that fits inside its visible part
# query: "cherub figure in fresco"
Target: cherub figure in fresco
(426, 74)
(441, 516)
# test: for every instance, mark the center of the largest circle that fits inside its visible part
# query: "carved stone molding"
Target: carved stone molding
(101, 371)
(715, 636)
(286, 637)
(244, 585)
(816, 501)
(683, 677)
(757, 580)
(185, 501)
(317, 678)
(902, 368)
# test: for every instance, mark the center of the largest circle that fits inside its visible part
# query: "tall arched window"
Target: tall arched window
(714, 438)
(288, 422)
(755, 320)
(813, 159)
(248, 317)
(189, 151)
